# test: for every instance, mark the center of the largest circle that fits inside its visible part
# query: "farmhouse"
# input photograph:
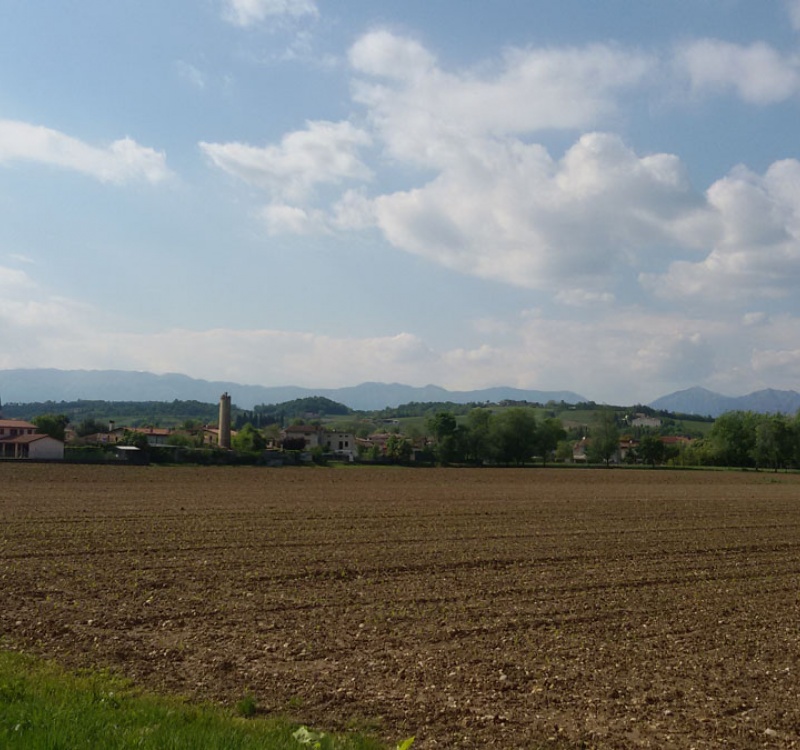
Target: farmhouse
(19, 439)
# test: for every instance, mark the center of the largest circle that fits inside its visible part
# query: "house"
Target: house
(156, 436)
(579, 451)
(312, 436)
(32, 446)
(642, 420)
(11, 428)
(341, 443)
(627, 446)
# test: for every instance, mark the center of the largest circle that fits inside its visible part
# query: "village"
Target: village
(307, 441)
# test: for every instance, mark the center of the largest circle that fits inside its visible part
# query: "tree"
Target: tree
(564, 450)
(733, 438)
(54, 425)
(478, 435)
(248, 440)
(514, 436)
(398, 449)
(443, 427)
(604, 437)
(550, 432)
(651, 450)
(136, 439)
(773, 442)
(90, 427)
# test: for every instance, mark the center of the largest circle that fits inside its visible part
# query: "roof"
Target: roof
(25, 439)
(17, 423)
(306, 429)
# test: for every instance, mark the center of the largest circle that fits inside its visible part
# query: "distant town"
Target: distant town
(318, 430)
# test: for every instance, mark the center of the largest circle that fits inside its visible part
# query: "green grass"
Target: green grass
(43, 707)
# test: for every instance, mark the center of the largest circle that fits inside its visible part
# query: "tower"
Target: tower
(225, 421)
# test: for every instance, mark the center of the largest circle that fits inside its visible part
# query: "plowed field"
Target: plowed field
(471, 608)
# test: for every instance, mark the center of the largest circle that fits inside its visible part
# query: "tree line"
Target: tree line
(479, 434)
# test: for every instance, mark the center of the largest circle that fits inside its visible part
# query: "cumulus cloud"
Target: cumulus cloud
(423, 112)
(510, 212)
(249, 12)
(757, 252)
(758, 73)
(325, 152)
(122, 161)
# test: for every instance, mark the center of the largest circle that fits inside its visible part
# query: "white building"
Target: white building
(39, 447)
(341, 443)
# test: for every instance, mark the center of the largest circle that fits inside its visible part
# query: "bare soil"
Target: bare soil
(471, 608)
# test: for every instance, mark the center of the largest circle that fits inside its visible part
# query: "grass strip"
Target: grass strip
(43, 707)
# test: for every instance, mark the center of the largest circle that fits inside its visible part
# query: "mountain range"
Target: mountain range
(30, 385)
(33, 385)
(707, 403)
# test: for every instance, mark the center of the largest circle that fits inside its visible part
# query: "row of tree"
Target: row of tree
(749, 440)
(738, 439)
(512, 436)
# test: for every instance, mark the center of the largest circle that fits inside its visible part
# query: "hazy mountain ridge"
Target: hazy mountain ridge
(29, 385)
(707, 403)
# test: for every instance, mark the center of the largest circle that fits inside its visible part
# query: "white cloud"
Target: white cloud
(507, 211)
(757, 253)
(758, 73)
(620, 350)
(249, 12)
(425, 114)
(283, 219)
(381, 53)
(123, 160)
(325, 152)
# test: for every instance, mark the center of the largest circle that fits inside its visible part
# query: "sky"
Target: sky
(544, 194)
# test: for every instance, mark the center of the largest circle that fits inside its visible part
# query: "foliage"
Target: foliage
(90, 426)
(423, 409)
(287, 411)
(247, 707)
(54, 425)
(550, 433)
(132, 413)
(398, 449)
(605, 437)
(443, 427)
(478, 442)
(134, 438)
(651, 450)
(733, 439)
(248, 440)
(513, 436)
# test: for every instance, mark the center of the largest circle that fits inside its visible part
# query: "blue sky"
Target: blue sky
(601, 197)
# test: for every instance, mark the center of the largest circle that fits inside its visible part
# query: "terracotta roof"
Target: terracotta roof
(23, 439)
(19, 423)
